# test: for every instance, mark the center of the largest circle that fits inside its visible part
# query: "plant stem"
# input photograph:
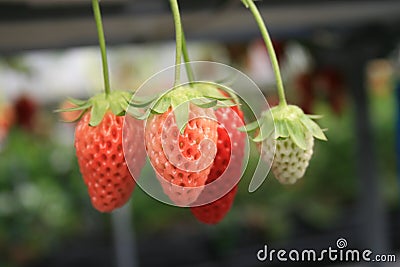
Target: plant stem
(271, 52)
(186, 58)
(102, 43)
(178, 39)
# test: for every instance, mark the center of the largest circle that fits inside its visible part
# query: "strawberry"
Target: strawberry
(100, 140)
(227, 166)
(290, 161)
(290, 147)
(180, 160)
(101, 137)
(26, 111)
(181, 138)
(71, 115)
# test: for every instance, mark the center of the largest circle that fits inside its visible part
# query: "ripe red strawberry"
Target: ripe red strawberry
(102, 162)
(182, 161)
(230, 151)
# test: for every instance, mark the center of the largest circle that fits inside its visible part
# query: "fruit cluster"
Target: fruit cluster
(193, 135)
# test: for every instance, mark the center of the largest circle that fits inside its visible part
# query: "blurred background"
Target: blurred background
(338, 58)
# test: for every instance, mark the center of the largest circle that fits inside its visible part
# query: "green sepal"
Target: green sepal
(162, 105)
(77, 102)
(204, 102)
(297, 133)
(181, 113)
(252, 126)
(281, 130)
(77, 119)
(314, 116)
(266, 129)
(141, 101)
(313, 128)
(118, 107)
(226, 104)
(98, 111)
(86, 105)
(134, 112)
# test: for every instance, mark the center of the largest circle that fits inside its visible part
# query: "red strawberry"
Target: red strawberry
(26, 111)
(228, 154)
(182, 161)
(102, 162)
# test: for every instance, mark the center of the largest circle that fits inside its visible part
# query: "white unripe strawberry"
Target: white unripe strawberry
(289, 162)
(286, 136)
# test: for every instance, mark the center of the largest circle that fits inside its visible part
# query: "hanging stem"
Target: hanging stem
(271, 52)
(178, 39)
(186, 58)
(102, 43)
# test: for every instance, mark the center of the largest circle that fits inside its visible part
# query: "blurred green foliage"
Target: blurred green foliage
(39, 199)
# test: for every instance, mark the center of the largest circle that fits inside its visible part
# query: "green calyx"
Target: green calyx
(116, 101)
(201, 94)
(290, 122)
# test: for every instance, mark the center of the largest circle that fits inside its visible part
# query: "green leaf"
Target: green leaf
(98, 111)
(313, 128)
(296, 133)
(162, 105)
(181, 113)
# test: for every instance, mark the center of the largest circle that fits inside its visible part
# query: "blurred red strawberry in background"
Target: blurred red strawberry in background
(25, 111)
(329, 81)
(325, 83)
(6, 120)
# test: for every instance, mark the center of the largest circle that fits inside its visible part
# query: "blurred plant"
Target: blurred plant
(39, 202)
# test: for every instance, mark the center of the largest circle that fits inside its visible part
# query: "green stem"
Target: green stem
(178, 39)
(186, 58)
(271, 52)
(102, 43)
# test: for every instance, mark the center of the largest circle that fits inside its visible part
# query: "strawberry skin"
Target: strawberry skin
(289, 163)
(228, 153)
(102, 162)
(182, 161)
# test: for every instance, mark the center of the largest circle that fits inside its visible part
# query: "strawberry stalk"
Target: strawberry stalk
(186, 58)
(271, 52)
(294, 132)
(102, 44)
(178, 39)
(181, 48)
